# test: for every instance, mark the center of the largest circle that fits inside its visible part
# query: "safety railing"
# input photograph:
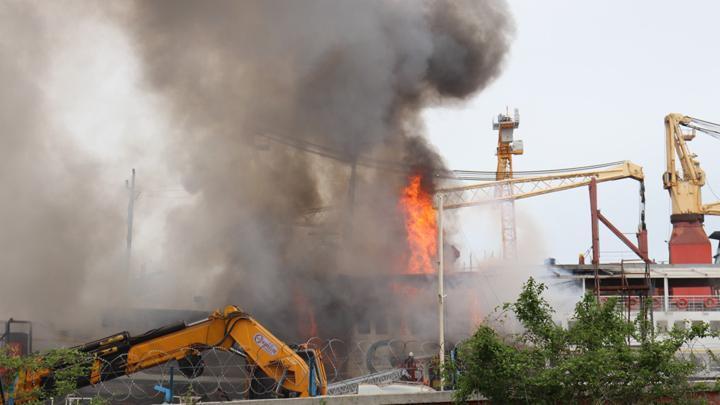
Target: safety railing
(697, 303)
(658, 302)
(680, 303)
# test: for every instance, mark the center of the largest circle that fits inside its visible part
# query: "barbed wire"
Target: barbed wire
(229, 376)
(224, 375)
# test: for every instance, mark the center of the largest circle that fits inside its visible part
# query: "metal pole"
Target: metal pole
(172, 382)
(441, 289)
(349, 214)
(622, 238)
(592, 187)
(352, 185)
(131, 206)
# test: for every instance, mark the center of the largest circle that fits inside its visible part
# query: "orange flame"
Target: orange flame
(307, 326)
(421, 227)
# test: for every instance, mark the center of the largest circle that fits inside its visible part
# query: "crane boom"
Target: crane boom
(712, 208)
(483, 193)
(685, 187)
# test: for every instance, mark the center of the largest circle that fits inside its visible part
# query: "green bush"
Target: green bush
(67, 365)
(601, 358)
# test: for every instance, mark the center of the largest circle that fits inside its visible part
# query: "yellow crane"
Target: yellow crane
(507, 146)
(688, 242)
(531, 186)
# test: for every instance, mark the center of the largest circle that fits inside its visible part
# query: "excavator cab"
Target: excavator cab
(317, 369)
(264, 387)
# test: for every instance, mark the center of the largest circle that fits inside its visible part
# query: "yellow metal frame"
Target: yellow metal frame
(483, 193)
(685, 187)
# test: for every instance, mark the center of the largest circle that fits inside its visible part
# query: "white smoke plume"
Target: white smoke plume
(59, 222)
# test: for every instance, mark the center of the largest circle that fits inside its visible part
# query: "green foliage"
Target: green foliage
(189, 397)
(601, 358)
(98, 400)
(67, 366)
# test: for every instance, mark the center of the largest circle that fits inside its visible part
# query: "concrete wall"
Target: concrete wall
(428, 398)
(414, 398)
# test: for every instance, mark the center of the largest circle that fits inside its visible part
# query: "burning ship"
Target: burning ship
(255, 167)
(673, 295)
(397, 314)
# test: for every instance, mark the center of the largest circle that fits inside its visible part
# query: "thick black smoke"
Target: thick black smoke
(273, 102)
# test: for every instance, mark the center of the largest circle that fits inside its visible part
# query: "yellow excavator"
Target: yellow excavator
(280, 371)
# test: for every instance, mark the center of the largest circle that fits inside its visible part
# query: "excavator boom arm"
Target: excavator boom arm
(232, 330)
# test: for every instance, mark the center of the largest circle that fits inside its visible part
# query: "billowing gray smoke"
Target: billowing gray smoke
(56, 225)
(272, 101)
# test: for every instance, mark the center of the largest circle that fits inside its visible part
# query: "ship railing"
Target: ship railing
(677, 303)
(622, 302)
(695, 303)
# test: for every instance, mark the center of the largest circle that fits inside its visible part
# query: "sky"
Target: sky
(593, 82)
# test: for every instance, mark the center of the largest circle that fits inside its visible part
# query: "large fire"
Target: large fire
(421, 227)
